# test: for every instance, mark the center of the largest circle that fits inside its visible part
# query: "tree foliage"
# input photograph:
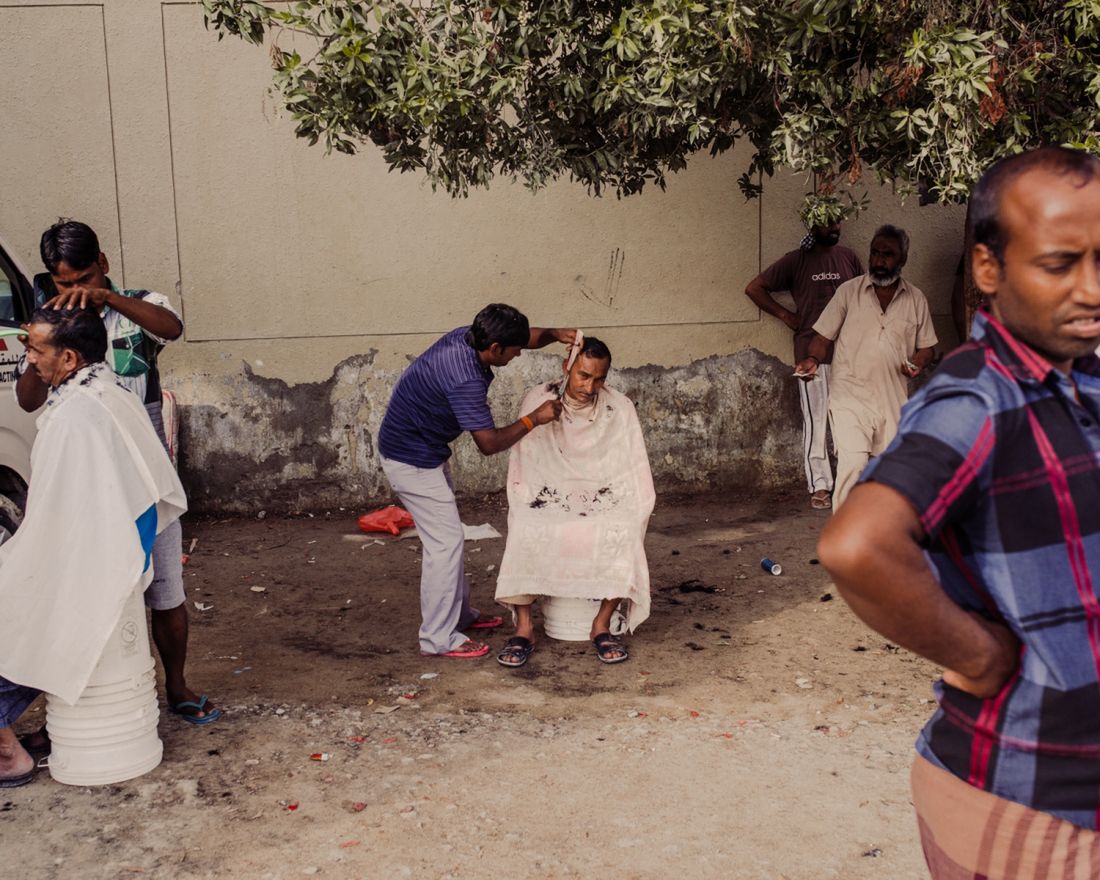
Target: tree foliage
(616, 95)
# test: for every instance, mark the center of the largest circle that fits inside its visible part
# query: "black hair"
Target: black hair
(501, 324)
(596, 348)
(985, 199)
(888, 230)
(82, 330)
(69, 241)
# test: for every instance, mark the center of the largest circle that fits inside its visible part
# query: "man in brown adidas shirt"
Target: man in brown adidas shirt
(812, 274)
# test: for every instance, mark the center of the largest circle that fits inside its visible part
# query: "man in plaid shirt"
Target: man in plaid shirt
(995, 473)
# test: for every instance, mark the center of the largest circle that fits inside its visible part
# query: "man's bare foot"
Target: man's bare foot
(609, 649)
(525, 623)
(15, 761)
(469, 649)
(487, 621)
(515, 652)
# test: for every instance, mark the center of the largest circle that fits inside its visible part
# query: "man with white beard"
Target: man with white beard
(884, 337)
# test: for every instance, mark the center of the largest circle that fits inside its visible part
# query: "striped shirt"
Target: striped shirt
(1001, 461)
(440, 395)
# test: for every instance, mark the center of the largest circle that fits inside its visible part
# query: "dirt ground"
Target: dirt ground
(757, 731)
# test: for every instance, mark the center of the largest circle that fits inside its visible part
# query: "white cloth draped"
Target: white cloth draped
(580, 493)
(102, 485)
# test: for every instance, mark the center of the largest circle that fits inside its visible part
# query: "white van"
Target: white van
(16, 427)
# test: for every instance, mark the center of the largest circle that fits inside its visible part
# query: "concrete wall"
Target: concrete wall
(308, 281)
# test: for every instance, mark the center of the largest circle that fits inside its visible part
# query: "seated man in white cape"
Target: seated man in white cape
(102, 489)
(580, 493)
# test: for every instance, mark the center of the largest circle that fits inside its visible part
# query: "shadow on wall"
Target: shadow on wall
(722, 422)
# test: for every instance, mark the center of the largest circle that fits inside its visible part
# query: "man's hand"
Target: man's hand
(806, 369)
(873, 548)
(80, 298)
(548, 411)
(1002, 654)
(915, 365)
(540, 337)
(789, 318)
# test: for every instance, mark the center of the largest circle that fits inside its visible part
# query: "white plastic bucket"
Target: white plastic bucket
(568, 619)
(94, 696)
(110, 734)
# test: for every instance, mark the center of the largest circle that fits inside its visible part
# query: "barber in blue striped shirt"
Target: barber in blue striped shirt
(441, 394)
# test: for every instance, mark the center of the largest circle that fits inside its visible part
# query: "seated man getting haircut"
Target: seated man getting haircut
(580, 494)
(103, 489)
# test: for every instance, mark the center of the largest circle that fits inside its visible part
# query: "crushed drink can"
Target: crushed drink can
(771, 567)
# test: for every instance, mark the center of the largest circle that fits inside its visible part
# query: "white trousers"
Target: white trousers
(428, 494)
(814, 397)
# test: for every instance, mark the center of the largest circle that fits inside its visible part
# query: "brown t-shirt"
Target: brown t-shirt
(812, 277)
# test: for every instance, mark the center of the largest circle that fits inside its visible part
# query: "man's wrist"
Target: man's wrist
(814, 358)
(527, 423)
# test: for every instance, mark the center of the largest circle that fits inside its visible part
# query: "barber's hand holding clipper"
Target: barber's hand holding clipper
(548, 411)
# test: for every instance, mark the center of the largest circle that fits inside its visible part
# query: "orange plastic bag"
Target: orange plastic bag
(390, 519)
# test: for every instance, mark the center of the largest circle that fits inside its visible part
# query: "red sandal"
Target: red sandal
(467, 650)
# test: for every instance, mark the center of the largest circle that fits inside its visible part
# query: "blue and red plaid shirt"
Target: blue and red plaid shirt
(1001, 460)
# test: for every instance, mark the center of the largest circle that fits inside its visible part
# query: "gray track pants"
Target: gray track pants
(428, 494)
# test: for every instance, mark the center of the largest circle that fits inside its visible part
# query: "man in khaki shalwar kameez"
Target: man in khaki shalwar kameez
(883, 332)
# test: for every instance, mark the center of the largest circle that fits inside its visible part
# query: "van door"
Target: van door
(17, 428)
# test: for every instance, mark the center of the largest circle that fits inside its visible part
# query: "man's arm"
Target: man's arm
(543, 336)
(157, 320)
(493, 440)
(757, 291)
(872, 549)
(817, 352)
(926, 338)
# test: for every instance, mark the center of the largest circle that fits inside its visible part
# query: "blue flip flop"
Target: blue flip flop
(200, 706)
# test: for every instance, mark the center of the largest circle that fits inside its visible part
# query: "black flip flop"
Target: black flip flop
(606, 644)
(515, 652)
(16, 781)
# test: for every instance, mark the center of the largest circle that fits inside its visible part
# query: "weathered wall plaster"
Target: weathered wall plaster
(308, 281)
(719, 422)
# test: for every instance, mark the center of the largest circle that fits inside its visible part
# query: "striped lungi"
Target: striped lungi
(970, 834)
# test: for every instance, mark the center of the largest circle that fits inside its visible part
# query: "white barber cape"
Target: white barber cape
(102, 489)
(580, 493)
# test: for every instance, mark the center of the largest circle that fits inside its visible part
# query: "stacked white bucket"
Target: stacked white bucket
(110, 734)
(568, 619)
